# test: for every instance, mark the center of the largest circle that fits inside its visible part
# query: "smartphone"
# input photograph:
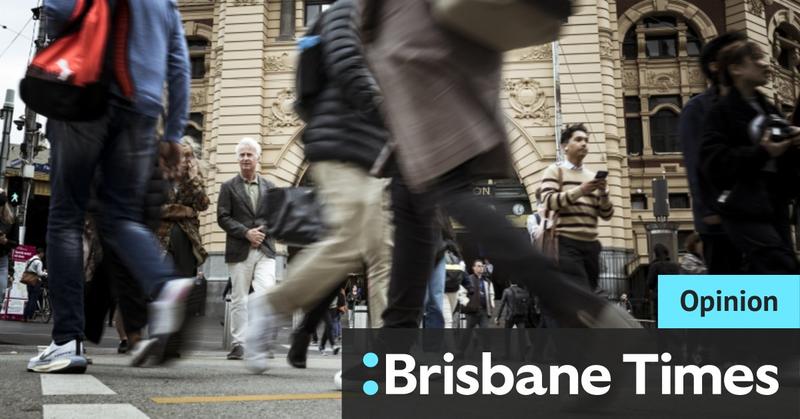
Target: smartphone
(601, 174)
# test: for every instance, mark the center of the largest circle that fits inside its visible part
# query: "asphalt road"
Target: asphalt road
(203, 384)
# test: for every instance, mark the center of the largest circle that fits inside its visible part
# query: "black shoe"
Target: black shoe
(123, 347)
(299, 349)
(169, 320)
(237, 353)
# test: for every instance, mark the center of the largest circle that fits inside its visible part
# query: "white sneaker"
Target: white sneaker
(141, 351)
(66, 359)
(337, 380)
(261, 328)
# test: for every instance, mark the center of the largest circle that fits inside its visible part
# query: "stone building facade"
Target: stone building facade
(625, 68)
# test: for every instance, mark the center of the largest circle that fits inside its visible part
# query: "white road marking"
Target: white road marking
(83, 411)
(68, 384)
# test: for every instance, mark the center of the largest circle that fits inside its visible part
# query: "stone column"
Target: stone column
(748, 16)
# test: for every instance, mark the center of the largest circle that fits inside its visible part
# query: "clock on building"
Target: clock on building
(518, 209)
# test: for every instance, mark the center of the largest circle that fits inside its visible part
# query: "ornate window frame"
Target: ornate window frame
(645, 77)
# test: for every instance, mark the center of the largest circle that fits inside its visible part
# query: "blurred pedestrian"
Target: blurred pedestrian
(750, 156)
(692, 262)
(660, 264)
(721, 256)
(122, 143)
(441, 100)
(343, 138)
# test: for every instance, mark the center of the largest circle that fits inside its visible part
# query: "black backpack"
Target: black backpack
(520, 302)
(310, 78)
(454, 274)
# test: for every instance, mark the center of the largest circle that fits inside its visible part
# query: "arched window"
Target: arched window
(656, 85)
(786, 46)
(661, 36)
(694, 45)
(664, 131)
(630, 47)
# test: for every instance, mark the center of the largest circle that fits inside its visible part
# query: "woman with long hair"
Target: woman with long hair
(180, 227)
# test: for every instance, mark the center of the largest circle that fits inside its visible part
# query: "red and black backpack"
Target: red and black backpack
(68, 80)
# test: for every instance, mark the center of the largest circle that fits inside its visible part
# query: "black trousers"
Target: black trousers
(413, 260)
(34, 294)
(580, 261)
(317, 314)
(519, 321)
(721, 255)
(767, 246)
(113, 282)
(182, 253)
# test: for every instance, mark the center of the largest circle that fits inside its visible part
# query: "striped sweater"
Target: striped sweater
(577, 213)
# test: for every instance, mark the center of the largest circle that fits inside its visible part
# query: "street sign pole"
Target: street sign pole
(32, 136)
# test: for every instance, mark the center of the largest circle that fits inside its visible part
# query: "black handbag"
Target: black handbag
(294, 216)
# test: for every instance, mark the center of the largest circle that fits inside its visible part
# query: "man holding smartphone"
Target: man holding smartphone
(579, 197)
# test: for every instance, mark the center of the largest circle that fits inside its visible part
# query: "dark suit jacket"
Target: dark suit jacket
(236, 215)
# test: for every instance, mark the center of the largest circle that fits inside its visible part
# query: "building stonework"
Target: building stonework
(626, 68)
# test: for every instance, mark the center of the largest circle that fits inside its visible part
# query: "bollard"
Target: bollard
(227, 337)
(361, 315)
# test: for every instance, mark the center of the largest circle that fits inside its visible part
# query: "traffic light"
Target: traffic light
(15, 191)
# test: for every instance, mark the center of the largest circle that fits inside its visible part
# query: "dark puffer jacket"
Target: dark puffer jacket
(344, 123)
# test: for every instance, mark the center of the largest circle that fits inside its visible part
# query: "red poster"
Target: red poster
(12, 304)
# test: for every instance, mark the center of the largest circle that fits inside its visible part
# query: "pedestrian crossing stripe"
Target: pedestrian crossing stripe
(116, 411)
(246, 398)
(60, 385)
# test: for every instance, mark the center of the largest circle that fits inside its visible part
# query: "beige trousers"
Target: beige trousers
(257, 270)
(357, 213)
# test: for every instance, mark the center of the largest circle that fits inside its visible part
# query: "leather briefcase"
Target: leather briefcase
(294, 216)
(503, 25)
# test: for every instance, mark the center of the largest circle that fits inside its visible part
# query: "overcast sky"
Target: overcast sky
(14, 61)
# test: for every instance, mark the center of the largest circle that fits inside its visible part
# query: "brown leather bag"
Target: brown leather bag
(30, 278)
(503, 25)
(546, 236)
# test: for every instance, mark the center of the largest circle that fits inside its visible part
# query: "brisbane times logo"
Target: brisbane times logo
(402, 375)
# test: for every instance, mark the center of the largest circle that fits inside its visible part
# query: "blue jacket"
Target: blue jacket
(157, 52)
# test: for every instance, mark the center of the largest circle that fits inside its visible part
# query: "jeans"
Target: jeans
(415, 241)
(121, 146)
(329, 334)
(434, 298)
(336, 319)
(34, 294)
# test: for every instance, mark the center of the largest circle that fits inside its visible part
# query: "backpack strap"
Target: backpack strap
(28, 265)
